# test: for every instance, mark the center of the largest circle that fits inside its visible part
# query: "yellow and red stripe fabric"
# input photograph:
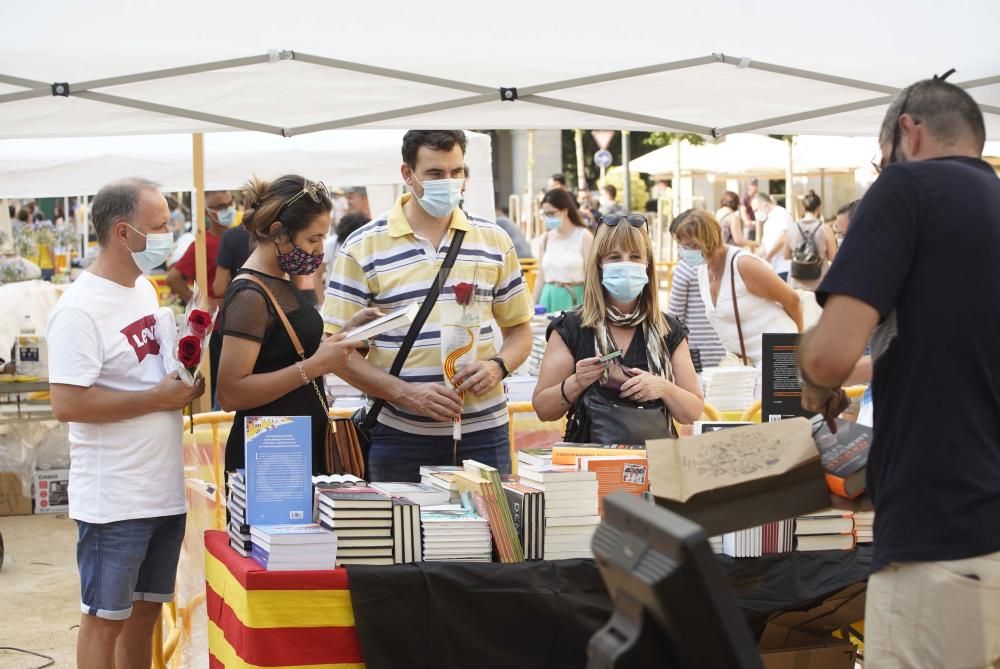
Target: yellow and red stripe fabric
(278, 620)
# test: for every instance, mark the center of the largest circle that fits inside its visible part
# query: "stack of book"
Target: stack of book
(717, 545)
(303, 547)
(455, 534)
(527, 508)
(407, 544)
(730, 388)
(361, 517)
(482, 491)
(571, 516)
(767, 539)
(236, 505)
(442, 477)
(619, 468)
(421, 494)
(828, 530)
(864, 526)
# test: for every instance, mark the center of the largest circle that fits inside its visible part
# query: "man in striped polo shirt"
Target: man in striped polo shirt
(392, 262)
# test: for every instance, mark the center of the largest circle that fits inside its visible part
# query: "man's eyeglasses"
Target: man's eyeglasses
(611, 220)
(316, 190)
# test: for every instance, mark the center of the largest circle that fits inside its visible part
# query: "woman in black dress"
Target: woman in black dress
(260, 372)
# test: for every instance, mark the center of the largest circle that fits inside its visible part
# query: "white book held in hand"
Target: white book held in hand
(400, 318)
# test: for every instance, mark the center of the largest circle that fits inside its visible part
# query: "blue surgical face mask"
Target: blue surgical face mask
(553, 222)
(692, 257)
(441, 196)
(226, 216)
(624, 280)
(158, 248)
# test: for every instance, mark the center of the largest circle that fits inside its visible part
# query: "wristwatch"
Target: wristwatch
(503, 366)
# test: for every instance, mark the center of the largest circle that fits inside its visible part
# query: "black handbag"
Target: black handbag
(365, 420)
(601, 416)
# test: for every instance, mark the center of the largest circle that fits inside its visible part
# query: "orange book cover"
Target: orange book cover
(617, 473)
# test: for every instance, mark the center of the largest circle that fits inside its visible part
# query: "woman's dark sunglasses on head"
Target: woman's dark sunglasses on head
(611, 220)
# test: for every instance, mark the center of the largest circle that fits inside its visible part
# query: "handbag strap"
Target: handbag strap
(371, 416)
(296, 342)
(736, 308)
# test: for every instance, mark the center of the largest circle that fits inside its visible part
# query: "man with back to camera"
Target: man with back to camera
(773, 239)
(391, 263)
(924, 243)
(557, 181)
(109, 382)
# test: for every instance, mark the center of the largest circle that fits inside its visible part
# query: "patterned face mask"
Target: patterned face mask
(297, 261)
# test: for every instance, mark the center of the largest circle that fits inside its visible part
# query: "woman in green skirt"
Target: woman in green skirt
(565, 246)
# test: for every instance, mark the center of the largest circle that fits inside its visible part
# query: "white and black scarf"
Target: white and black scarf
(654, 331)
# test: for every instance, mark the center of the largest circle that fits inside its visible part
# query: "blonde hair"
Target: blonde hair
(632, 240)
(702, 227)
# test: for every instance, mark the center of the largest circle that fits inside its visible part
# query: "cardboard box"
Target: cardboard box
(13, 501)
(802, 639)
(52, 491)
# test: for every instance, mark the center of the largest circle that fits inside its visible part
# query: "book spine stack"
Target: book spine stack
(827, 530)
(767, 539)
(864, 526)
(406, 531)
(236, 510)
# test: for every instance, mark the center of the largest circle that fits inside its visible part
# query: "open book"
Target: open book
(400, 318)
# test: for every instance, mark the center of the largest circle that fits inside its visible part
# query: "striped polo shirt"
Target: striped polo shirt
(386, 265)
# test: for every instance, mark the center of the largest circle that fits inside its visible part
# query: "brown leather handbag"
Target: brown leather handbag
(341, 448)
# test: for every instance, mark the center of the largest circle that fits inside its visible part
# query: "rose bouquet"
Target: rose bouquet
(195, 332)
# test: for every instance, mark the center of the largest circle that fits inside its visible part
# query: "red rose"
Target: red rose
(189, 351)
(199, 322)
(463, 293)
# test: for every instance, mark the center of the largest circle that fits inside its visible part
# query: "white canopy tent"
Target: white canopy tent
(59, 166)
(713, 67)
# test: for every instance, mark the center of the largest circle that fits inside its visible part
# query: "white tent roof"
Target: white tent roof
(715, 66)
(55, 167)
(757, 154)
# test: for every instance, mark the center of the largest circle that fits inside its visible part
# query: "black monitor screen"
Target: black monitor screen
(673, 606)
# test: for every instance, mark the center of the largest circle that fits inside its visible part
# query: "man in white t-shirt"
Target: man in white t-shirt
(776, 221)
(109, 382)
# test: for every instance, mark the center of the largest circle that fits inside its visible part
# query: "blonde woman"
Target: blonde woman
(620, 313)
(765, 302)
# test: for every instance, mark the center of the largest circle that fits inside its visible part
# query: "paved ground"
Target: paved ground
(39, 590)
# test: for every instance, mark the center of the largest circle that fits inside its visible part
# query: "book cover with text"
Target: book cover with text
(279, 470)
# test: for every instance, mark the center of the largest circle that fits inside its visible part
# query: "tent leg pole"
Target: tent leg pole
(627, 174)
(204, 403)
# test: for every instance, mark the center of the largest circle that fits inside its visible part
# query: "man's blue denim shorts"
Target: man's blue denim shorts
(126, 561)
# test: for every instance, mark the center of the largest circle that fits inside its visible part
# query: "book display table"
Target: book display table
(528, 615)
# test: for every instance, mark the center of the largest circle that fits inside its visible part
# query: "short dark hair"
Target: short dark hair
(947, 110)
(263, 201)
(504, 210)
(848, 209)
(611, 190)
(439, 140)
(118, 201)
(348, 224)
(811, 202)
(559, 178)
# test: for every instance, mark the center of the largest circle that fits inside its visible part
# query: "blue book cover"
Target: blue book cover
(278, 470)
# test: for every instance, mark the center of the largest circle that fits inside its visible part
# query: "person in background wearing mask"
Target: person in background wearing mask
(609, 203)
(109, 381)
(766, 303)
(620, 312)
(393, 262)
(776, 221)
(261, 372)
(564, 250)
(220, 212)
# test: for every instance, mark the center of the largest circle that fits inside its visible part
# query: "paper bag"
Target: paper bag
(739, 478)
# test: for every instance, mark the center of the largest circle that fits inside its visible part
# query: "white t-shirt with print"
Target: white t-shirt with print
(104, 334)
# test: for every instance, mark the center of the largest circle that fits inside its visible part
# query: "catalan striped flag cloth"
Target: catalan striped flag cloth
(279, 620)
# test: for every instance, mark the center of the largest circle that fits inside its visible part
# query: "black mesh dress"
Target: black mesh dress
(248, 313)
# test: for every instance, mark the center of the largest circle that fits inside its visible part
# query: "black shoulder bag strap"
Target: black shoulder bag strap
(371, 416)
